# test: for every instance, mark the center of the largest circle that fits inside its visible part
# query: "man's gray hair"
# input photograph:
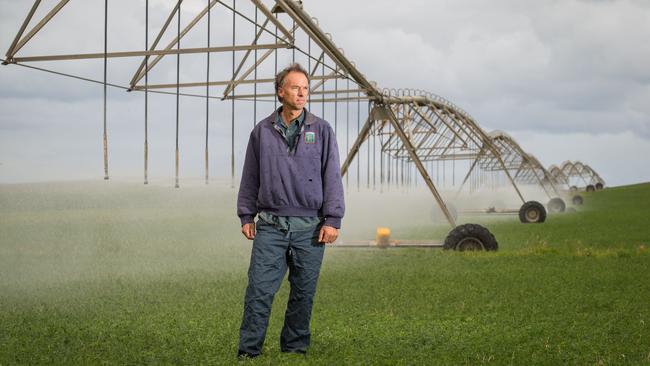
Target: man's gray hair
(279, 78)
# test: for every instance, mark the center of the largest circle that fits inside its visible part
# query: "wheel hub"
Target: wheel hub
(532, 215)
(469, 243)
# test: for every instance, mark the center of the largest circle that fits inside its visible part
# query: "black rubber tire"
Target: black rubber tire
(599, 186)
(470, 237)
(573, 189)
(577, 200)
(556, 205)
(532, 212)
(590, 188)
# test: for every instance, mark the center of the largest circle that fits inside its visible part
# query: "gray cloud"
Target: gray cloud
(546, 66)
(555, 70)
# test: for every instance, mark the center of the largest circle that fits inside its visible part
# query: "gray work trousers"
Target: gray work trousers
(273, 252)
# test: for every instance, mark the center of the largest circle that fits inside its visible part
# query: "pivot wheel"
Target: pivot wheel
(599, 186)
(573, 189)
(590, 188)
(556, 205)
(577, 200)
(470, 237)
(532, 212)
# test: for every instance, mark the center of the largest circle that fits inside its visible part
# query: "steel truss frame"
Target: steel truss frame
(523, 167)
(414, 126)
(436, 129)
(577, 172)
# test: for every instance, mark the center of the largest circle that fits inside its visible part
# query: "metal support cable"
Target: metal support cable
(146, 97)
(404, 167)
(117, 86)
(415, 176)
(275, 56)
(471, 181)
(309, 65)
(374, 155)
(405, 173)
(408, 175)
(178, 72)
(105, 90)
(255, 74)
(393, 170)
(444, 173)
(336, 103)
(232, 105)
(415, 180)
(347, 126)
(358, 131)
(388, 162)
(402, 172)
(453, 172)
(207, 99)
(381, 160)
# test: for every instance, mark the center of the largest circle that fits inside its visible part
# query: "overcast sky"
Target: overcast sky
(568, 79)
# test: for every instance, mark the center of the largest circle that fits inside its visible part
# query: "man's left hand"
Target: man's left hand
(328, 234)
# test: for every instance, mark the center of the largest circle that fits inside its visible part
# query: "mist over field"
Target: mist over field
(88, 230)
(118, 272)
(72, 231)
(79, 231)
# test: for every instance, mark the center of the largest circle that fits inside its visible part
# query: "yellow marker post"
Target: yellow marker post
(383, 237)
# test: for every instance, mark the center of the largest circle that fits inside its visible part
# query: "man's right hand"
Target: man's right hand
(249, 230)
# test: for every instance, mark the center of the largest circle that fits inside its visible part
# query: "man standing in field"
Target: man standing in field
(292, 181)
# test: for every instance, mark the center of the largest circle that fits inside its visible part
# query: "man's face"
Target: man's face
(295, 91)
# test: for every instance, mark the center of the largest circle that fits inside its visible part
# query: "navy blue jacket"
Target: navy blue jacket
(303, 182)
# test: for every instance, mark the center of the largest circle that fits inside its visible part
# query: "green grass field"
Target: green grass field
(118, 273)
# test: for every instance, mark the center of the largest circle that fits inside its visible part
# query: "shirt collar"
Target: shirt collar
(280, 123)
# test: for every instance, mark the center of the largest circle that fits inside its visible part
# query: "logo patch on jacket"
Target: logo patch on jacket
(310, 137)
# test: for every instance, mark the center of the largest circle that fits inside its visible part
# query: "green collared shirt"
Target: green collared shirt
(290, 223)
(289, 133)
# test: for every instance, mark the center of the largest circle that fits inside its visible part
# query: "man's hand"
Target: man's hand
(248, 230)
(328, 234)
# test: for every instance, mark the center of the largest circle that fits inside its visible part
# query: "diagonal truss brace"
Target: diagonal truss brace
(19, 42)
(385, 113)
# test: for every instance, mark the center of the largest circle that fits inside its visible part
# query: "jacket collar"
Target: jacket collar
(309, 117)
